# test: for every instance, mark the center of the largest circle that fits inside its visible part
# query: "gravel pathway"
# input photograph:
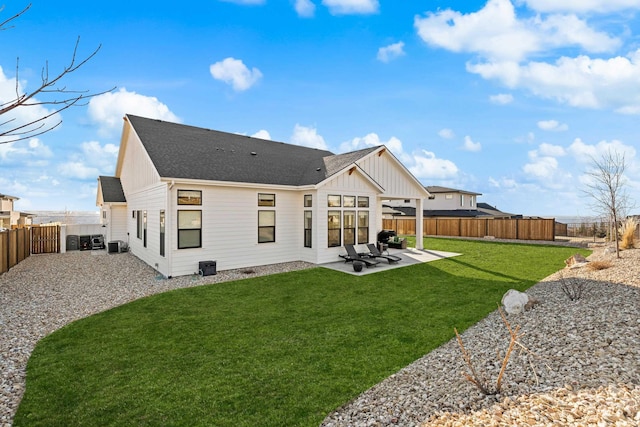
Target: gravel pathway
(45, 292)
(583, 367)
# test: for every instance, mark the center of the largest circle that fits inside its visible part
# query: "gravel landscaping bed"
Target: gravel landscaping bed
(582, 367)
(45, 292)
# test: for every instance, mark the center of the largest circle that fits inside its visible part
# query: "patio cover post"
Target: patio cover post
(419, 225)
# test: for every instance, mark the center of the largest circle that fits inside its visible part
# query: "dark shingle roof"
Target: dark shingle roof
(437, 189)
(429, 213)
(111, 189)
(181, 151)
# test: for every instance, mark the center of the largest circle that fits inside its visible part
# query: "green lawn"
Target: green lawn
(280, 350)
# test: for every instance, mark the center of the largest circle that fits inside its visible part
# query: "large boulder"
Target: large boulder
(516, 302)
(576, 260)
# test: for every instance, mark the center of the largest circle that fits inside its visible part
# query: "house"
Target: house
(183, 194)
(9, 216)
(445, 202)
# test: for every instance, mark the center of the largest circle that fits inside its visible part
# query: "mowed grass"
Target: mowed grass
(280, 350)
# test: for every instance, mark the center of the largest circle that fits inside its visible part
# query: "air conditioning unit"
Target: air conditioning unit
(207, 268)
(117, 246)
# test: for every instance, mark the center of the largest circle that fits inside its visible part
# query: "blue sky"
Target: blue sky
(510, 99)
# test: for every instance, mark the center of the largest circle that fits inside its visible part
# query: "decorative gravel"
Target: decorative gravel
(582, 366)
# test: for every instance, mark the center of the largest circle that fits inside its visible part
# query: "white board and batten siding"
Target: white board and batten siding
(230, 229)
(396, 181)
(137, 169)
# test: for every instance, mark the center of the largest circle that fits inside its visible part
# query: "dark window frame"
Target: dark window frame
(188, 200)
(182, 231)
(263, 228)
(269, 202)
(308, 229)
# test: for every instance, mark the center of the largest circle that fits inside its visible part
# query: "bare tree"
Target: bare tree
(52, 92)
(607, 189)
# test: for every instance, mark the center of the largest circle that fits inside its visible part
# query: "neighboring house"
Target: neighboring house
(445, 202)
(9, 216)
(182, 194)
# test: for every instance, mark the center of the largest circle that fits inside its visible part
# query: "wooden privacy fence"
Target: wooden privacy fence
(522, 229)
(45, 239)
(14, 247)
(18, 243)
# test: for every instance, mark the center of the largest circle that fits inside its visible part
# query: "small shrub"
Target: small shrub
(627, 230)
(480, 381)
(599, 265)
(573, 287)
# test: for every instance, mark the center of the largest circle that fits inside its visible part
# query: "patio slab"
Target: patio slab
(410, 256)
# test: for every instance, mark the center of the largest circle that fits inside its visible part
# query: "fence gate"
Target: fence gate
(45, 239)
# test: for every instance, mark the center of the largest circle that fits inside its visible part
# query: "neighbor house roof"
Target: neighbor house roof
(188, 152)
(6, 196)
(434, 189)
(429, 213)
(111, 189)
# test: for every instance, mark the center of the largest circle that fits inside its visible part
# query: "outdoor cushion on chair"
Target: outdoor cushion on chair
(375, 252)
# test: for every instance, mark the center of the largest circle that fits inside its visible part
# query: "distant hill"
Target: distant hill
(66, 217)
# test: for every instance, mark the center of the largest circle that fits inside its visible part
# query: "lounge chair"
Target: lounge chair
(352, 255)
(375, 253)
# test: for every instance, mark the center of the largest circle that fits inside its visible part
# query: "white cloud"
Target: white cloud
(108, 109)
(469, 145)
(77, 170)
(545, 170)
(501, 99)
(308, 137)
(391, 52)
(305, 8)
(26, 150)
(427, 166)
(579, 82)
(446, 133)
(585, 153)
(233, 71)
(351, 7)
(370, 140)
(506, 183)
(546, 149)
(495, 32)
(582, 6)
(503, 42)
(552, 125)
(262, 134)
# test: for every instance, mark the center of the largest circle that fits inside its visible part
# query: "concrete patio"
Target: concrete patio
(409, 256)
